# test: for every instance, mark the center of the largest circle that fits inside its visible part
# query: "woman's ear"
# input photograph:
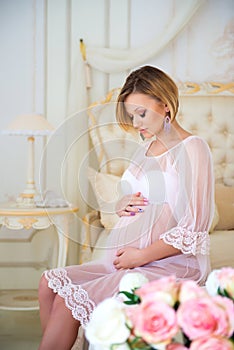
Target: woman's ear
(167, 108)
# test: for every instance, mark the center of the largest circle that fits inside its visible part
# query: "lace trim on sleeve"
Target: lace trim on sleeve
(187, 241)
(76, 298)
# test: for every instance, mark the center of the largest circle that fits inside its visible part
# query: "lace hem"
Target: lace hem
(187, 241)
(76, 298)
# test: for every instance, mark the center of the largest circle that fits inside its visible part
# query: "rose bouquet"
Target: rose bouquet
(166, 314)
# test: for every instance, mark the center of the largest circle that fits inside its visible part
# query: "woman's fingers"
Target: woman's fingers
(130, 211)
(136, 203)
(139, 201)
(133, 209)
(130, 205)
(126, 213)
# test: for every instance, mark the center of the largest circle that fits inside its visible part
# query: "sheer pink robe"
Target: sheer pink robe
(179, 186)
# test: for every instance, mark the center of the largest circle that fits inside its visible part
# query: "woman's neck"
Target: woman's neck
(175, 134)
(170, 138)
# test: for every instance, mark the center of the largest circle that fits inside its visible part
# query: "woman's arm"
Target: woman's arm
(193, 212)
(129, 257)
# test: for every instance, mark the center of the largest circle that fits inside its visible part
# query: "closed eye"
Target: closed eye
(142, 115)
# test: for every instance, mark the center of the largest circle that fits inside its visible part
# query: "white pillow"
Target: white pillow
(107, 190)
(224, 198)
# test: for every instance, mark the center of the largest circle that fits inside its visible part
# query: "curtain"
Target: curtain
(113, 60)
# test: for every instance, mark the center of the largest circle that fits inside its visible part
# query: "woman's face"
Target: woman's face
(146, 113)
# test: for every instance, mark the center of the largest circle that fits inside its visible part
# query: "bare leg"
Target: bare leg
(46, 299)
(61, 330)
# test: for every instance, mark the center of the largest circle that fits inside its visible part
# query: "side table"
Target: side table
(18, 218)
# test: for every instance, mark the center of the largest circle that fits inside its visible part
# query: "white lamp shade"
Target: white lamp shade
(29, 125)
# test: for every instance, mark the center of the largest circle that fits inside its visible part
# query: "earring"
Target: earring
(167, 123)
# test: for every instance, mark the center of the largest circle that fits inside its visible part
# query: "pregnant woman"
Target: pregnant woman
(164, 215)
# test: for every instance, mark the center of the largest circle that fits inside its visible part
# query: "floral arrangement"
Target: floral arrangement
(166, 315)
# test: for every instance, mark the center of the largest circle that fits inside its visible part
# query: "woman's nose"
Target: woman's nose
(136, 122)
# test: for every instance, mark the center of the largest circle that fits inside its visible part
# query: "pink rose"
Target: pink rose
(191, 290)
(214, 343)
(228, 307)
(225, 277)
(176, 346)
(154, 321)
(206, 316)
(164, 289)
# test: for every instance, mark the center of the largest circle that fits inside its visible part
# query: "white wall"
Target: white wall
(22, 72)
(21, 84)
(192, 55)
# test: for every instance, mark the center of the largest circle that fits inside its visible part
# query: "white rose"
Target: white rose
(131, 281)
(212, 283)
(122, 347)
(116, 347)
(108, 324)
(159, 346)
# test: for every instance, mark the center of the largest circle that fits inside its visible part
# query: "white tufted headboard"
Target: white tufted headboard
(212, 117)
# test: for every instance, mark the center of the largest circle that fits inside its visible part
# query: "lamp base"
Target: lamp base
(26, 200)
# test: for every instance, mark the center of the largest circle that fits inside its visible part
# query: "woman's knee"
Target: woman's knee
(59, 302)
(43, 289)
(60, 308)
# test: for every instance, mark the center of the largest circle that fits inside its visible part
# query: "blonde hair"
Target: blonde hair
(150, 81)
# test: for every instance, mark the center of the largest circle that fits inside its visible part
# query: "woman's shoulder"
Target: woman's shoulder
(195, 141)
(197, 146)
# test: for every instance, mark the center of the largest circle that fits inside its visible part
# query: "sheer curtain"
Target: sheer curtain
(113, 60)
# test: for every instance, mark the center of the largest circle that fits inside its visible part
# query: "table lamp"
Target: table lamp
(29, 125)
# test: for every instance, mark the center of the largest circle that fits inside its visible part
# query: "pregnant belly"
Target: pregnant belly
(134, 231)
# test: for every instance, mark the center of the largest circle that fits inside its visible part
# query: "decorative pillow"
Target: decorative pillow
(107, 190)
(224, 198)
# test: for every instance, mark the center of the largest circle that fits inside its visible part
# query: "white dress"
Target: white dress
(180, 187)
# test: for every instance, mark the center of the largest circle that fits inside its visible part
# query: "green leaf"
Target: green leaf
(130, 302)
(224, 293)
(113, 346)
(232, 338)
(187, 341)
(176, 306)
(138, 344)
(133, 298)
(127, 294)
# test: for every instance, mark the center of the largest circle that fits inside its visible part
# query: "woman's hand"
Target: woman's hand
(131, 204)
(128, 258)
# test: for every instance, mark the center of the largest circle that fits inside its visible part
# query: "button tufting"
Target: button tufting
(210, 145)
(225, 132)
